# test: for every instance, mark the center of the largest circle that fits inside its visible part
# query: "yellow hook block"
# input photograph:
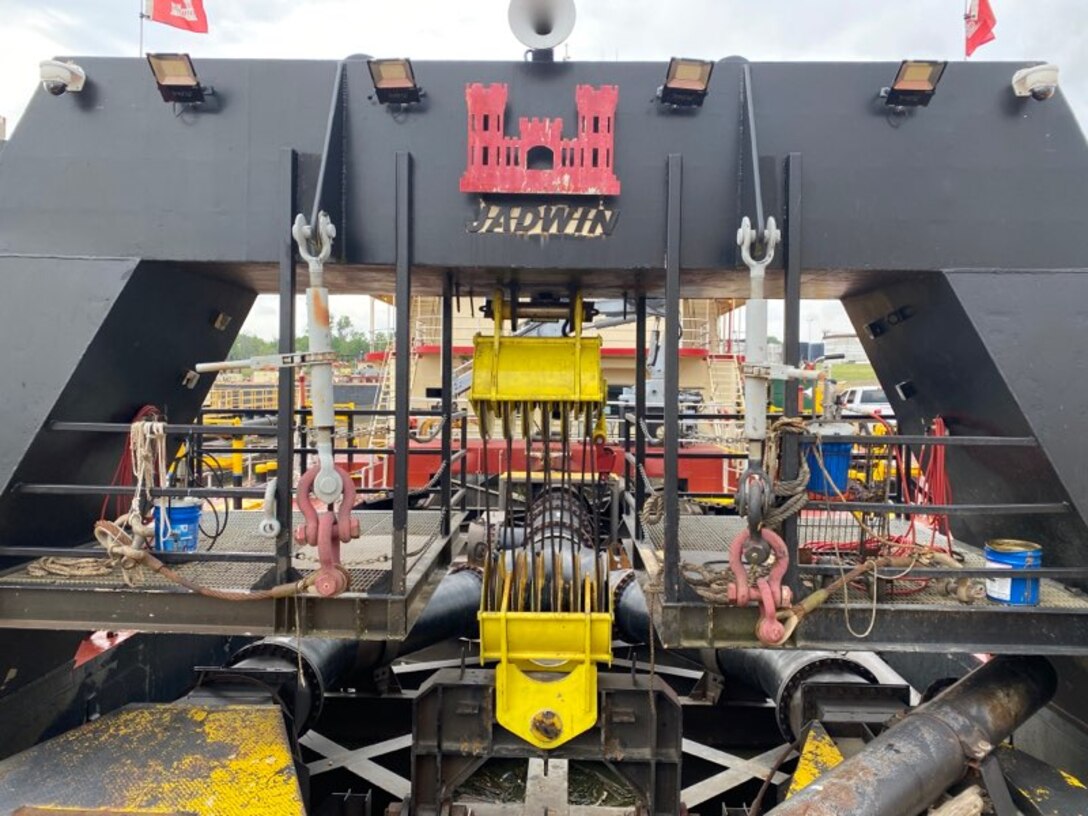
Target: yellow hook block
(546, 680)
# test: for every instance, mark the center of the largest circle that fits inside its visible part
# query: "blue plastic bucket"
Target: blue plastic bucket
(184, 532)
(836, 456)
(1008, 553)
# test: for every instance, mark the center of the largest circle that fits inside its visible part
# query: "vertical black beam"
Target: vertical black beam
(672, 381)
(402, 373)
(640, 411)
(351, 442)
(462, 465)
(285, 442)
(447, 399)
(791, 348)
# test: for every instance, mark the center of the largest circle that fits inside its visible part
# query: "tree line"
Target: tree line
(348, 342)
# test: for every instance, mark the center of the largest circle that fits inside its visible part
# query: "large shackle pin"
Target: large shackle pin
(541, 25)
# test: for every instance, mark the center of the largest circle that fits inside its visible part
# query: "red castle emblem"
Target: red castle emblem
(539, 160)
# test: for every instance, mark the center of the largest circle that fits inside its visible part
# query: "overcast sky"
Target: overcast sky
(1052, 30)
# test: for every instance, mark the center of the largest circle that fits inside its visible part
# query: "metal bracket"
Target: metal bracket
(778, 371)
(314, 255)
(996, 787)
(638, 735)
(271, 362)
(747, 236)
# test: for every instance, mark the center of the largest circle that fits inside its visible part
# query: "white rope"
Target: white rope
(147, 444)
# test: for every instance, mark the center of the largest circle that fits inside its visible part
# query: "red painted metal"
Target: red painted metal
(327, 531)
(606, 460)
(539, 160)
(697, 475)
(98, 643)
(768, 591)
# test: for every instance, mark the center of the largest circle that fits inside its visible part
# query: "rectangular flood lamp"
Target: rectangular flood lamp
(394, 81)
(686, 83)
(176, 78)
(915, 83)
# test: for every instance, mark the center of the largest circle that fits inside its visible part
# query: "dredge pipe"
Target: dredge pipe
(323, 663)
(451, 611)
(782, 674)
(905, 769)
(629, 609)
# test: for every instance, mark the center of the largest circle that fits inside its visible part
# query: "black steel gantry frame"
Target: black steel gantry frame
(684, 620)
(384, 615)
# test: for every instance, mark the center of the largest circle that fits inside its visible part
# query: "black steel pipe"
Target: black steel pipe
(782, 675)
(629, 609)
(905, 769)
(323, 663)
(451, 611)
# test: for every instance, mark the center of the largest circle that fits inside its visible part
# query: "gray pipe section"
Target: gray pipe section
(781, 674)
(905, 769)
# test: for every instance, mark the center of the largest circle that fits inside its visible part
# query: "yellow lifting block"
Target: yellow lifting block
(527, 371)
(546, 679)
(536, 369)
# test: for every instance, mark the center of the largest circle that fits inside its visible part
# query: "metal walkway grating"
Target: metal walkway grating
(366, 558)
(705, 540)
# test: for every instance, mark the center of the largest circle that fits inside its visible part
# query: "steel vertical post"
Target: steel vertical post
(791, 348)
(671, 351)
(402, 372)
(447, 399)
(285, 442)
(640, 411)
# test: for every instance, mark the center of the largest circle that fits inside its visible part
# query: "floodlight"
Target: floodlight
(394, 81)
(915, 83)
(177, 79)
(686, 83)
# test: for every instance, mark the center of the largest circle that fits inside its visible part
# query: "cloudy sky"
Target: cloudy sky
(1052, 30)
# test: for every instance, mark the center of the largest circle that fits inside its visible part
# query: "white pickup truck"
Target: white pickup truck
(864, 401)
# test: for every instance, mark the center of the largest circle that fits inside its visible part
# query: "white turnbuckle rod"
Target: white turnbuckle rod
(315, 250)
(756, 364)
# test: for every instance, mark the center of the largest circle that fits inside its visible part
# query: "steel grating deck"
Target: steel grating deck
(366, 558)
(705, 539)
(927, 620)
(370, 610)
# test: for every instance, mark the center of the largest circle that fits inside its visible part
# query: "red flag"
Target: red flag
(980, 22)
(186, 14)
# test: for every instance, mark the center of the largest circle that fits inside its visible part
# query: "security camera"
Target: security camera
(59, 77)
(1039, 81)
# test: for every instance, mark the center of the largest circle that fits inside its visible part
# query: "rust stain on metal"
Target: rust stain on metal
(613, 749)
(547, 725)
(472, 747)
(321, 311)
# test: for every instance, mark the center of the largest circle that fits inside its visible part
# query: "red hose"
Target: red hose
(932, 488)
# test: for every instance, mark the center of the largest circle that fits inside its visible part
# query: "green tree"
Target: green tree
(348, 342)
(249, 345)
